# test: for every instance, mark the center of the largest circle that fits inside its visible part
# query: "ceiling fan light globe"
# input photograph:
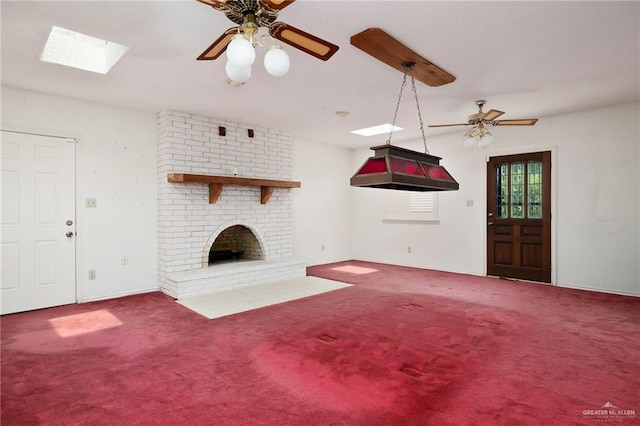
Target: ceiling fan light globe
(276, 61)
(486, 141)
(240, 52)
(470, 142)
(237, 74)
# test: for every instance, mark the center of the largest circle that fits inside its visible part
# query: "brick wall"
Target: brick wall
(188, 224)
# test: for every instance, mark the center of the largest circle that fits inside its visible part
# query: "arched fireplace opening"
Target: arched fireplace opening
(235, 243)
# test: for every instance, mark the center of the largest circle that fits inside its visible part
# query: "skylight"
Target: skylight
(376, 130)
(66, 47)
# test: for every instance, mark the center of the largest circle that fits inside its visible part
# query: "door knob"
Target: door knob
(69, 222)
(489, 223)
(69, 234)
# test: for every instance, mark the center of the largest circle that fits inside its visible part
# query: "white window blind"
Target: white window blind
(410, 206)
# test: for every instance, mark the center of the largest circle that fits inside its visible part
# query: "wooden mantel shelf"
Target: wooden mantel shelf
(216, 183)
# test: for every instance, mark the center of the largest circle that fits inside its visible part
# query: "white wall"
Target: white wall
(596, 232)
(596, 214)
(452, 244)
(322, 205)
(116, 164)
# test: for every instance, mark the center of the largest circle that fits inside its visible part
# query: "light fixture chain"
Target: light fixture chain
(424, 138)
(395, 114)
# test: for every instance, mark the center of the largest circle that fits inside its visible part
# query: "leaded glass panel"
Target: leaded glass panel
(517, 190)
(502, 191)
(534, 189)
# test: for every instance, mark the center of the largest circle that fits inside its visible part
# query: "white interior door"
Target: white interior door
(38, 222)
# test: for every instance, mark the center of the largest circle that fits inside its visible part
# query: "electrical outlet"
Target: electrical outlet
(322, 248)
(92, 274)
(125, 260)
(91, 203)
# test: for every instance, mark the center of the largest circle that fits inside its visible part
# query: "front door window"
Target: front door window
(518, 189)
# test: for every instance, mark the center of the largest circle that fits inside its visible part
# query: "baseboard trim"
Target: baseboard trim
(116, 295)
(599, 290)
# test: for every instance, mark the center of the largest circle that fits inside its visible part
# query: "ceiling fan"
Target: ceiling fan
(250, 15)
(478, 135)
(489, 119)
(387, 49)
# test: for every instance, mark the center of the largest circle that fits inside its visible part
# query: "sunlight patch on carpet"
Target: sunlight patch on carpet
(358, 270)
(87, 322)
(229, 302)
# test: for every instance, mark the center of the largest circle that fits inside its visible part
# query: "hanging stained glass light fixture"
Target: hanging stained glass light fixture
(392, 167)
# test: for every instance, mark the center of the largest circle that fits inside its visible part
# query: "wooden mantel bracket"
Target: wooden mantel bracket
(217, 182)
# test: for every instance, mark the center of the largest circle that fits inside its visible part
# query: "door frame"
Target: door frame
(52, 133)
(554, 180)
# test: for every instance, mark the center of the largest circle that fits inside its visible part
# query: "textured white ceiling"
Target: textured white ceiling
(529, 59)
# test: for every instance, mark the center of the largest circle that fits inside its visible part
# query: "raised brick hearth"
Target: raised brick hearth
(188, 224)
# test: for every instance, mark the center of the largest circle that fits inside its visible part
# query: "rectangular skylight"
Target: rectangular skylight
(66, 47)
(376, 130)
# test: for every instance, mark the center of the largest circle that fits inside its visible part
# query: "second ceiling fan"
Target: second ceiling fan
(489, 119)
(478, 135)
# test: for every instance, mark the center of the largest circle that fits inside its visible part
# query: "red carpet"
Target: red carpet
(403, 346)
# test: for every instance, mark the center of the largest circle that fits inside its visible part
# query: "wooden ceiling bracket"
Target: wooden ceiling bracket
(392, 52)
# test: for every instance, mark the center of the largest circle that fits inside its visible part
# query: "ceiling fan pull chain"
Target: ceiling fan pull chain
(395, 115)
(424, 138)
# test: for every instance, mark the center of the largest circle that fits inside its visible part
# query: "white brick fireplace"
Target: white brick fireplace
(188, 224)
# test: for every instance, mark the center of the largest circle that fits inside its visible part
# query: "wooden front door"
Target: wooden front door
(519, 216)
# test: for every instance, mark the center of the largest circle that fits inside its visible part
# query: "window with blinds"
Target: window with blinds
(409, 206)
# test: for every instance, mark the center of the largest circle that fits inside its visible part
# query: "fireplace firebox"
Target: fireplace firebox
(235, 243)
